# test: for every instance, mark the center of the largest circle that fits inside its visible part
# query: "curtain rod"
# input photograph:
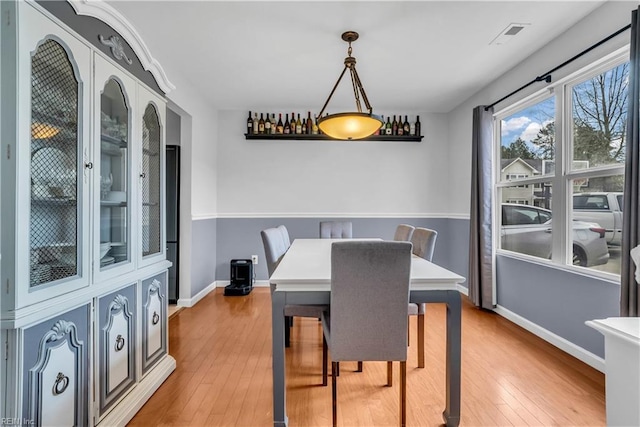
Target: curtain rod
(547, 76)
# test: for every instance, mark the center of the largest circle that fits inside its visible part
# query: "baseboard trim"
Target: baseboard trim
(256, 283)
(127, 408)
(578, 352)
(190, 302)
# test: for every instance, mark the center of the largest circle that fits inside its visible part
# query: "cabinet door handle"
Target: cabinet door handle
(156, 318)
(119, 342)
(88, 165)
(143, 175)
(61, 384)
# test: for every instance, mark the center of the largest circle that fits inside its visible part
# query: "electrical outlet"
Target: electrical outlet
(254, 259)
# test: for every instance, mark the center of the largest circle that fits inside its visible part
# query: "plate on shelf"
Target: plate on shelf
(51, 165)
(108, 260)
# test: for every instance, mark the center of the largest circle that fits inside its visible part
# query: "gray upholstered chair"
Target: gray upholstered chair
(403, 233)
(368, 316)
(424, 244)
(336, 230)
(276, 243)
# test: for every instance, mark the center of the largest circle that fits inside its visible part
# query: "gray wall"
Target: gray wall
(239, 238)
(557, 300)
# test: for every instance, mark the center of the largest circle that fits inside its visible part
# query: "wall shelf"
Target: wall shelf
(307, 137)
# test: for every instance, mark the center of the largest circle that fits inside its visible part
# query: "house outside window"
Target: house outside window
(562, 146)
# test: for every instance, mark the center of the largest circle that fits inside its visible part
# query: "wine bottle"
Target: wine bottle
(261, 125)
(308, 124)
(279, 126)
(249, 124)
(293, 123)
(388, 128)
(273, 123)
(407, 127)
(298, 125)
(400, 125)
(412, 130)
(394, 126)
(287, 126)
(255, 123)
(314, 126)
(417, 125)
(267, 125)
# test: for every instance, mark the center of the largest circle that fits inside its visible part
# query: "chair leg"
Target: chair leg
(420, 340)
(287, 330)
(337, 369)
(324, 360)
(389, 374)
(409, 332)
(403, 393)
(334, 393)
(359, 366)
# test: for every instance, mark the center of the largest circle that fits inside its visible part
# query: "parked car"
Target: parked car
(527, 229)
(602, 208)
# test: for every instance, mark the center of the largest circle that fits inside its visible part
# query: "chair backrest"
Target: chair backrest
(424, 242)
(369, 300)
(276, 242)
(336, 230)
(403, 233)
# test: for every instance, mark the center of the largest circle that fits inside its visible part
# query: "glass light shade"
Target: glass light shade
(349, 125)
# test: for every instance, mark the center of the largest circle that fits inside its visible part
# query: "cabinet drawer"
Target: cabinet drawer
(116, 344)
(154, 320)
(56, 369)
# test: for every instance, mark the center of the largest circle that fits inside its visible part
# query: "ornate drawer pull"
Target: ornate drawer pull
(119, 342)
(61, 384)
(156, 318)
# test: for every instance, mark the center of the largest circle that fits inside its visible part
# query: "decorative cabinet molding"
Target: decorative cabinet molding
(154, 313)
(116, 345)
(56, 370)
(81, 229)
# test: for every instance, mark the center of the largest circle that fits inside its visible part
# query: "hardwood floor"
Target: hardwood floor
(223, 350)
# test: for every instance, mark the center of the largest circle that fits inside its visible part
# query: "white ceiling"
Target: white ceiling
(412, 55)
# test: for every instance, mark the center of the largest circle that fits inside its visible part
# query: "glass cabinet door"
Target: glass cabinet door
(151, 180)
(55, 145)
(114, 244)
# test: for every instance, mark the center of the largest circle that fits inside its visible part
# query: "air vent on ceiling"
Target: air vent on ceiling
(508, 33)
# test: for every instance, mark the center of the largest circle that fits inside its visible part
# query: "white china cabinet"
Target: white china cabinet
(83, 269)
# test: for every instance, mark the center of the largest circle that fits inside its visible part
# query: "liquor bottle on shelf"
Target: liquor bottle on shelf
(273, 123)
(406, 126)
(412, 129)
(261, 125)
(388, 130)
(394, 126)
(267, 125)
(279, 126)
(314, 126)
(293, 123)
(298, 125)
(400, 126)
(249, 124)
(255, 123)
(418, 126)
(287, 126)
(308, 124)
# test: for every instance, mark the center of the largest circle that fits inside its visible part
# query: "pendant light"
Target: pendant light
(350, 125)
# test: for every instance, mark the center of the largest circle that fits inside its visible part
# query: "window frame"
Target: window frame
(563, 174)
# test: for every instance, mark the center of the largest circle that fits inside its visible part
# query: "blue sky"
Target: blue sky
(526, 123)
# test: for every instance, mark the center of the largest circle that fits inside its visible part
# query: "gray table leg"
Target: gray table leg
(451, 414)
(278, 364)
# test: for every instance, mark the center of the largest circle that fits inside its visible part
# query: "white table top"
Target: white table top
(307, 267)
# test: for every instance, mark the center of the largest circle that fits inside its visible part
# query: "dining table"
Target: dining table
(303, 276)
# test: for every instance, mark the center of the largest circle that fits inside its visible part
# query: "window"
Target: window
(579, 164)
